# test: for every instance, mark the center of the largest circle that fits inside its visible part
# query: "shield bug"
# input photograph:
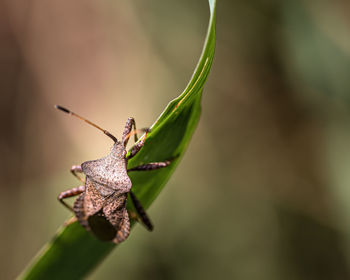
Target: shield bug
(101, 204)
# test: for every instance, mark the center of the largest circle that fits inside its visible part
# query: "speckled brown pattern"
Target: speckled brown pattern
(101, 205)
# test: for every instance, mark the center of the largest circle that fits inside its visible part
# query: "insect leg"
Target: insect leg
(137, 147)
(141, 212)
(128, 127)
(70, 193)
(75, 169)
(150, 166)
(124, 229)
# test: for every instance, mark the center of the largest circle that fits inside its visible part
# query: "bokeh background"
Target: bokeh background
(263, 191)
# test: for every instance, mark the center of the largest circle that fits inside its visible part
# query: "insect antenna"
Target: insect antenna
(87, 121)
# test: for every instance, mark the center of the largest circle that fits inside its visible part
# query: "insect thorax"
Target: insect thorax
(109, 173)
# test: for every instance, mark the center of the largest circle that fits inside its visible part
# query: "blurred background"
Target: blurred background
(263, 191)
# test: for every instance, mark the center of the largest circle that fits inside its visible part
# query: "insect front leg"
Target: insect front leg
(70, 193)
(137, 147)
(128, 127)
(77, 169)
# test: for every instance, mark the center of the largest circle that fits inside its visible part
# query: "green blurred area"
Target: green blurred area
(264, 189)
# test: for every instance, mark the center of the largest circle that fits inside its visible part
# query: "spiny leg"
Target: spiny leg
(139, 209)
(150, 166)
(141, 212)
(70, 193)
(77, 169)
(137, 147)
(128, 127)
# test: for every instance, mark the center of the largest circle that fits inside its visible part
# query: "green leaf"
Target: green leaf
(74, 252)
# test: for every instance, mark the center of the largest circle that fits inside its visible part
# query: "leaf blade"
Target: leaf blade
(74, 252)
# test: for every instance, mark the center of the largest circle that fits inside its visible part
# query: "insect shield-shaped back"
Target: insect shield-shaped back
(101, 205)
(101, 208)
(109, 173)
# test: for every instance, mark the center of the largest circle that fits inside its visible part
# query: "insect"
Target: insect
(101, 204)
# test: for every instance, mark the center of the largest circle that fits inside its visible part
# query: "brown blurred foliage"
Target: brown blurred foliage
(262, 192)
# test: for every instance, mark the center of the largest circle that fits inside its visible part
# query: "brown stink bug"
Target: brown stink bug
(101, 204)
